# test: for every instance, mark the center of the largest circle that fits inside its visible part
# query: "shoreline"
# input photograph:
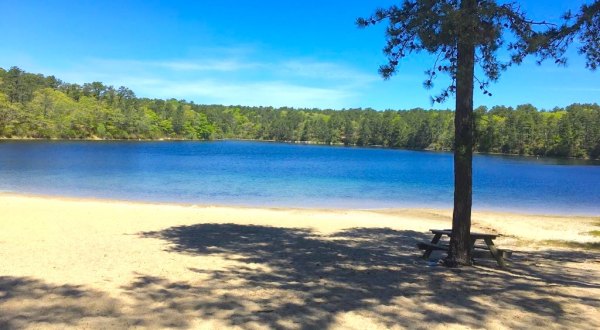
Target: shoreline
(507, 223)
(284, 207)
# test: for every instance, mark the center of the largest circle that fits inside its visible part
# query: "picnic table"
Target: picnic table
(488, 239)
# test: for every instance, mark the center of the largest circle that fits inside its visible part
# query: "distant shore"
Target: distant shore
(291, 142)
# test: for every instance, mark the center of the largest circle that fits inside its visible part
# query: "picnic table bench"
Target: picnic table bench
(488, 239)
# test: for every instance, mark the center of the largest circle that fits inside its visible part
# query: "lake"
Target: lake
(292, 175)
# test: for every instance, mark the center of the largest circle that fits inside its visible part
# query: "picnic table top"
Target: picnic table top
(448, 232)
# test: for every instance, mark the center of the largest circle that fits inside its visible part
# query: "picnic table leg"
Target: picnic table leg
(472, 248)
(435, 239)
(495, 253)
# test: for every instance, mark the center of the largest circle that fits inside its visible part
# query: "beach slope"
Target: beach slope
(67, 263)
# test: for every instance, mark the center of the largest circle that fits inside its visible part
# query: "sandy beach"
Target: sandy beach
(68, 263)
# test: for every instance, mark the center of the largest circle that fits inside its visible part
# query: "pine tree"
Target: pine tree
(463, 33)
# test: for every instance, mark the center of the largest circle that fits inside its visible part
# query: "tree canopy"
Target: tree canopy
(434, 26)
(37, 106)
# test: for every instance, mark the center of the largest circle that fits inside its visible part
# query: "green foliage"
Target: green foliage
(69, 111)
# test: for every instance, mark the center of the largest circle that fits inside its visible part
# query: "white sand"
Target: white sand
(102, 264)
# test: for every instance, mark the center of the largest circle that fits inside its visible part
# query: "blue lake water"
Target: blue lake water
(292, 175)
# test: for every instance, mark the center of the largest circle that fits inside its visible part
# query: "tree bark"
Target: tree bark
(459, 252)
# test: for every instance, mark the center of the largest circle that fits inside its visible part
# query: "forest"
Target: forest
(44, 107)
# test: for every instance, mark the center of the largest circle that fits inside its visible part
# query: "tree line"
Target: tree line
(38, 106)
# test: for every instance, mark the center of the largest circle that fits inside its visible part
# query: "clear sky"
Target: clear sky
(305, 53)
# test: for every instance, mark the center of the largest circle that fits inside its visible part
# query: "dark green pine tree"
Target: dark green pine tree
(461, 34)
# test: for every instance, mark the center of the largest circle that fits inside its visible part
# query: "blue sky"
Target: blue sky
(282, 53)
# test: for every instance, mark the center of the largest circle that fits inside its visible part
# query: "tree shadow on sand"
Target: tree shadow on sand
(26, 302)
(282, 278)
(296, 279)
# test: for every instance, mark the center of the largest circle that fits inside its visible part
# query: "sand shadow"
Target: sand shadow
(295, 279)
(27, 302)
(309, 280)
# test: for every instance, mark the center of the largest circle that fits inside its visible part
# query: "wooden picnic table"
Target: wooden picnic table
(488, 239)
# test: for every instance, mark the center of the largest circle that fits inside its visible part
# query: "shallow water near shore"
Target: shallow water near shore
(291, 175)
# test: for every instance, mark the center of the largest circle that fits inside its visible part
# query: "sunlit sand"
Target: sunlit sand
(105, 264)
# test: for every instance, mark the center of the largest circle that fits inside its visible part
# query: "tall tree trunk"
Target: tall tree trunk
(460, 241)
